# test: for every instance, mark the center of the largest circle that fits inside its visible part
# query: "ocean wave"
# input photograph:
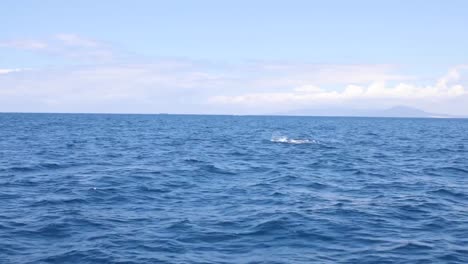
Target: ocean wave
(141, 189)
(445, 192)
(40, 167)
(214, 169)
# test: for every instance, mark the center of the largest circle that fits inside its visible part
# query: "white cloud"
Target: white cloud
(70, 46)
(308, 89)
(445, 88)
(155, 87)
(296, 75)
(6, 71)
(76, 40)
(108, 84)
(34, 45)
(452, 75)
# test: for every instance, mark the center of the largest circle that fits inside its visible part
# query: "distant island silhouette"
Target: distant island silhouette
(396, 111)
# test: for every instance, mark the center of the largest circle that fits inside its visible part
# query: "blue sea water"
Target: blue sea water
(78, 188)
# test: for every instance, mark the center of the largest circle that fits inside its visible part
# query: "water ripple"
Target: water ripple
(230, 189)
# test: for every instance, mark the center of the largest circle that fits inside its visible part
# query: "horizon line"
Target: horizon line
(258, 115)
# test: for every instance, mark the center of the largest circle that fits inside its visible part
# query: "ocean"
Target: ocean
(99, 188)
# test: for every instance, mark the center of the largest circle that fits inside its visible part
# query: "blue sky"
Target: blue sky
(232, 56)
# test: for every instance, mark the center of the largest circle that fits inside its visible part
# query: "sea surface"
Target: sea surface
(92, 188)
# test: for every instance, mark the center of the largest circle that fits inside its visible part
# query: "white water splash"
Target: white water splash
(285, 139)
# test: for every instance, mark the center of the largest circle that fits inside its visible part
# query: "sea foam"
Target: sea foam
(285, 139)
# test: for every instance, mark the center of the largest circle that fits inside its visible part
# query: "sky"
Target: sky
(232, 57)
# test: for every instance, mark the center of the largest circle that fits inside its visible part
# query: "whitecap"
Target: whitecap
(285, 139)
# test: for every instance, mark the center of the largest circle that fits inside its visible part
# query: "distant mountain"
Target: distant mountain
(404, 111)
(397, 111)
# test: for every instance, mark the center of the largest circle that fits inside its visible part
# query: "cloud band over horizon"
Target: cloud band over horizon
(104, 80)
